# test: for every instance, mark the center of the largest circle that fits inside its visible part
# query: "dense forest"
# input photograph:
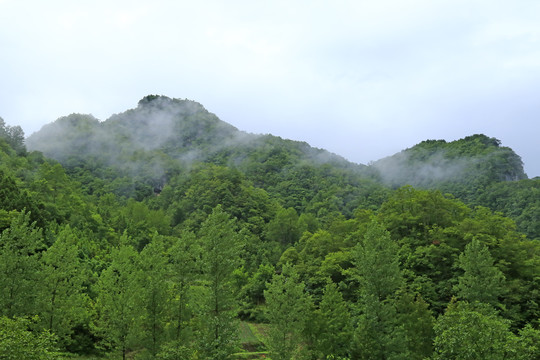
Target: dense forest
(166, 233)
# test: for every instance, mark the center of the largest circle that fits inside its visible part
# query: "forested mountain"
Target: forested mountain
(475, 160)
(143, 149)
(165, 233)
(475, 169)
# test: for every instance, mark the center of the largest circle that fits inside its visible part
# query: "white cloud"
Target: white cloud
(361, 78)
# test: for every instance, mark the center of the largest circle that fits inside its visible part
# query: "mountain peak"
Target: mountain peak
(475, 158)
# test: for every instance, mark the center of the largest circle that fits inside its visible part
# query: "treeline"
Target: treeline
(98, 260)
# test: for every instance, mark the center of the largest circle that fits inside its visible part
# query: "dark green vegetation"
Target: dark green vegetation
(164, 233)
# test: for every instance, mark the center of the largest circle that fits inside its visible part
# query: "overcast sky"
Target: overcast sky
(363, 79)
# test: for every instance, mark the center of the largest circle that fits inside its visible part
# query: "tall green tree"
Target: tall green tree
(12, 197)
(288, 308)
(377, 263)
(529, 343)
(222, 244)
(284, 227)
(19, 341)
(19, 267)
(378, 334)
(333, 325)
(116, 303)
(63, 302)
(481, 281)
(14, 136)
(151, 290)
(472, 332)
(185, 269)
(417, 320)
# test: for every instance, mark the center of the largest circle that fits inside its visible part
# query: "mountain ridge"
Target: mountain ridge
(185, 130)
(139, 151)
(174, 126)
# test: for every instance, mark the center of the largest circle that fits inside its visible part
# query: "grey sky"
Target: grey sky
(363, 79)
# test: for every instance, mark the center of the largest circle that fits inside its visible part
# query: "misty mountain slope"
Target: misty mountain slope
(142, 149)
(475, 169)
(158, 123)
(474, 160)
(182, 129)
(71, 135)
(163, 137)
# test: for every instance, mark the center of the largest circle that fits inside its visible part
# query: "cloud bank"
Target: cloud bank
(363, 79)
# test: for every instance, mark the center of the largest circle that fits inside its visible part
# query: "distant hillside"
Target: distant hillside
(182, 129)
(164, 137)
(475, 169)
(166, 141)
(474, 160)
(176, 127)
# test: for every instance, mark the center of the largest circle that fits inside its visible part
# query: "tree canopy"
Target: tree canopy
(165, 233)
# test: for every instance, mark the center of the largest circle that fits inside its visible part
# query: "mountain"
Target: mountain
(176, 127)
(460, 167)
(138, 152)
(433, 163)
(475, 169)
(182, 129)
(162, 138)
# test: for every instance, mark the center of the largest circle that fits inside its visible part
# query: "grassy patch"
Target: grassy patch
(252, 341)
(260, 331)
(246, 333)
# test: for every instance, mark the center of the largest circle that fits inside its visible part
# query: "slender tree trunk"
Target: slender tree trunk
(53, 302)
(181, 308)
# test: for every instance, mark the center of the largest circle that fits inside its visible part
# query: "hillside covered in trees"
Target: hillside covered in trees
(166, 233)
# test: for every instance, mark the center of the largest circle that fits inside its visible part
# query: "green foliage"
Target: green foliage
(378, 333)
(184, 270)
(519, 200)
(13, 198)
(414, 315)
(63, 302)
(332, 328)
(253, 292)
(288, 308)
(152, 294)
(13, 136)
(459, 167)
(409, 214)
(20, 245)
(141, 223)
(177, 351)
(472, 332)
(316, 262)
(284, 227)
(377, 263)
(481, 281)
(19, 340)
(116, 301)
(162, 227)
(529, 343)
(221, 245)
